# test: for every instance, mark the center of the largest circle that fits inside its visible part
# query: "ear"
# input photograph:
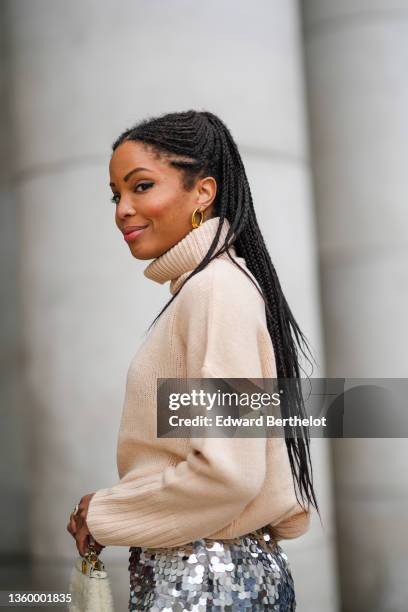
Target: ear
(206, 191)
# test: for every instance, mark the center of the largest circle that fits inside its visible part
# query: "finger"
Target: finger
(83, 543)
(79, 521)
(79, 547)
(72, 527)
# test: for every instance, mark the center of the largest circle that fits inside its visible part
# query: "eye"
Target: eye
(145, 186)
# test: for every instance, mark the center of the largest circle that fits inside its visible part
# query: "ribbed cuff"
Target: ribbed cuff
(126, 517)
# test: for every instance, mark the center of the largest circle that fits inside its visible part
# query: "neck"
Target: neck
(177, 263)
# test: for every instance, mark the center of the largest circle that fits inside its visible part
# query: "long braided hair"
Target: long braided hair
(199, 144)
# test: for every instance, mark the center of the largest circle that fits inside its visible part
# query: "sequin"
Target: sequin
(248, 573)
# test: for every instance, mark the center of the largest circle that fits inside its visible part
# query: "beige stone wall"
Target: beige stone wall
(356, 54)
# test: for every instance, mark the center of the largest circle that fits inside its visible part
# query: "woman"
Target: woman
(202, 516)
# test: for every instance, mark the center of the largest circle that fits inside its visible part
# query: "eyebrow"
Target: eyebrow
(129, 174)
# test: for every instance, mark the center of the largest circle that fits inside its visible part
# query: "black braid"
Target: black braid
(200, 144)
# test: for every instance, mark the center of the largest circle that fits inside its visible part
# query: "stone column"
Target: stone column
(83, 72)
(13, 438)
(358, 94)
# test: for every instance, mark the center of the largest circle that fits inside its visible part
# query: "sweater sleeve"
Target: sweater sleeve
(219, 327)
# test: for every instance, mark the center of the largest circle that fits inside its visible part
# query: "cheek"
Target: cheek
(165, 204)
(158, 207)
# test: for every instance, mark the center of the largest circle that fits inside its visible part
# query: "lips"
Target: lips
(132, 228)
(130, 234)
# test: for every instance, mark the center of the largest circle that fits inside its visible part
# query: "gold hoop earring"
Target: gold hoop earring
(193, 222)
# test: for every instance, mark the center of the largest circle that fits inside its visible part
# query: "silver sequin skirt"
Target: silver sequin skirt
(248, 573)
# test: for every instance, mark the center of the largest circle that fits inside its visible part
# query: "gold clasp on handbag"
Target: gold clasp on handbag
(92, 558)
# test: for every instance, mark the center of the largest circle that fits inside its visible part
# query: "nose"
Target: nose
(125, 208)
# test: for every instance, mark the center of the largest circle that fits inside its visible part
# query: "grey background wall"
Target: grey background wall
(280, 74)
(15, 456)
(356, 56)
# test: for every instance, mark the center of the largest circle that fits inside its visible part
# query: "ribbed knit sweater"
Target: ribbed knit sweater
(175, 490)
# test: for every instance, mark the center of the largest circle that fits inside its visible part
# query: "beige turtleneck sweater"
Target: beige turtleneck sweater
(174, 490)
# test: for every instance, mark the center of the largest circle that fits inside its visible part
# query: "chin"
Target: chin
(140, 253)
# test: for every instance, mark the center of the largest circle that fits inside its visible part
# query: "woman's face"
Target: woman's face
(148, 192)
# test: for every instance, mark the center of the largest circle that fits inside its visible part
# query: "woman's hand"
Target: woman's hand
(78, 528)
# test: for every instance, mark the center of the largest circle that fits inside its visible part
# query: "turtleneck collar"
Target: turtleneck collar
(177, 262)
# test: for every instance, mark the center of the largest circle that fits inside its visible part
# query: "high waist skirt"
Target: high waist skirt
(248, 573)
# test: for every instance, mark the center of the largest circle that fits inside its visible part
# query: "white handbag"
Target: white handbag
(89, 585)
